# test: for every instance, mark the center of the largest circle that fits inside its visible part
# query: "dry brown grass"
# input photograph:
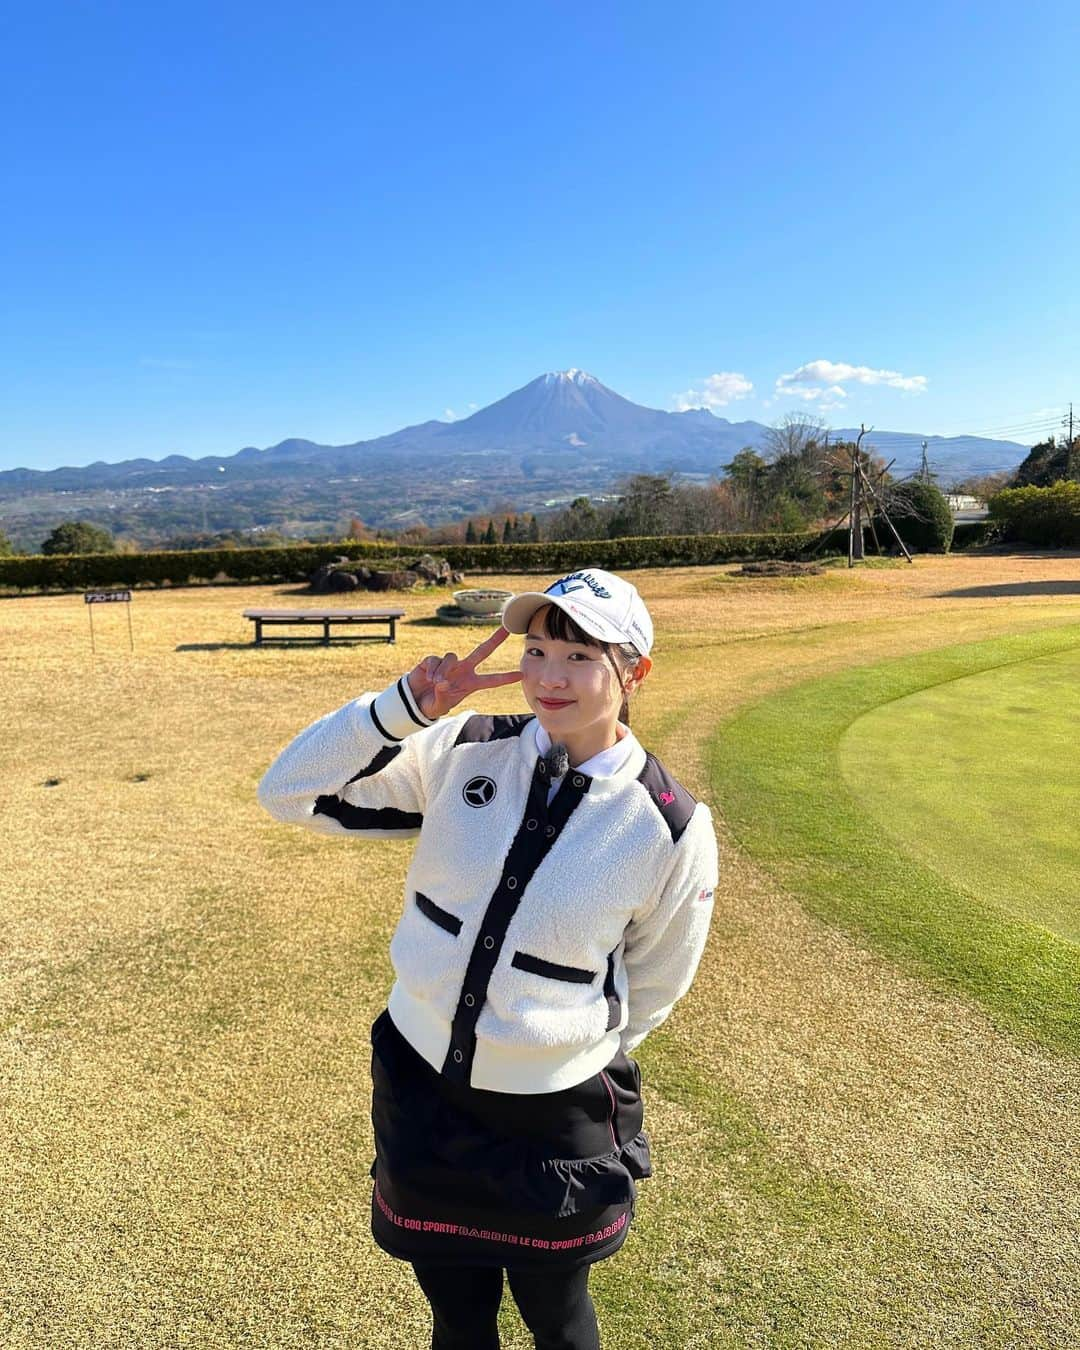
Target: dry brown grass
(186, 987)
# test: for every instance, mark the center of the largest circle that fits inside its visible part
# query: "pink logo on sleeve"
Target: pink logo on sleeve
(666, 798)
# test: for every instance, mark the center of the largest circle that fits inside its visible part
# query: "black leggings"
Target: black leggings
(554, 1305)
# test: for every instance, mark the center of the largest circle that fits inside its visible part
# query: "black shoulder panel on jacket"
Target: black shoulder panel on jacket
(381, 760)
(481, 728)
(668, 795)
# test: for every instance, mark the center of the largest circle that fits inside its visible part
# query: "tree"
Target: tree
(798, 436)
(579, 521)
(747, 473)
(490, 537)
(534, 530)
(79, 536)
(6, 549)
(802, 465)
(508, 531)
(644, 506)
(1046, 463)
(470, 533)
(746, 470)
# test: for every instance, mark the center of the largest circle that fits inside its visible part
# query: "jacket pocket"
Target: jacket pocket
(614, 1006)
(535, 966)
(450, 922)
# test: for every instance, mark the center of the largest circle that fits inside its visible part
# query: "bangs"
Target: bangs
(559, 626)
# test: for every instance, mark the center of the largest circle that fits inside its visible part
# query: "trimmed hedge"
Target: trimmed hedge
(82, 571)
(70, 572)
(1045, 516)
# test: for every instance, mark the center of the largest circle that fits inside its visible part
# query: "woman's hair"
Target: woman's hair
(562, 628)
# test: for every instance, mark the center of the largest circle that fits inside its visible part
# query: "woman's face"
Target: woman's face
(572, 688)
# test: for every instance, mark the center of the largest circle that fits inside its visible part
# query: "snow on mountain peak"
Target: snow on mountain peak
(572, 376)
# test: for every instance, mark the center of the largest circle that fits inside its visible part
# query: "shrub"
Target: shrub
(1045, 516)
(973, 533)
(921, 516)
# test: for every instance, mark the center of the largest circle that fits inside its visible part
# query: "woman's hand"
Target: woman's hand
(441, 683)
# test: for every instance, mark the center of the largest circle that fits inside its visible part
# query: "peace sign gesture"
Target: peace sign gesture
(441, 683)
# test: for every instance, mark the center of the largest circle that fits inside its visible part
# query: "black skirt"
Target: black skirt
(466, 1176)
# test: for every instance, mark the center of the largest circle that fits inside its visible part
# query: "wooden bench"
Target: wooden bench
(324, 617)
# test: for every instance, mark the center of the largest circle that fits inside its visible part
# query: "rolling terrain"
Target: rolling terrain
(562, 435)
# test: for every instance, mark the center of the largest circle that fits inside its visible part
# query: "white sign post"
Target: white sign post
(109, 597)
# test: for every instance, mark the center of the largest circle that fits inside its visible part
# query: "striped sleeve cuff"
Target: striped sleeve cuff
(394, 712)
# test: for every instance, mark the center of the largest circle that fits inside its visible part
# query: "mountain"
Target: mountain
(561, 435)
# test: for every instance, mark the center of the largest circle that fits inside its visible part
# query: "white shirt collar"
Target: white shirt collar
(603, 765)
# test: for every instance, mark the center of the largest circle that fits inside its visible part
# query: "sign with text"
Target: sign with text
(103, 597)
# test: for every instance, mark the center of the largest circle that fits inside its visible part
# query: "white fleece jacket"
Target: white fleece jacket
(535, 938)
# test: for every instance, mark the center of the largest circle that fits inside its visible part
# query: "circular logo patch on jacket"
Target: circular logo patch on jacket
(479, 791)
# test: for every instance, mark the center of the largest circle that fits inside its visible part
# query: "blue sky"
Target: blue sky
(230, 223)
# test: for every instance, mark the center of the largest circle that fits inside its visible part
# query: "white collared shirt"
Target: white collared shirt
(603, 765)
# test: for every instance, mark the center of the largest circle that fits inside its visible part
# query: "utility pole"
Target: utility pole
(1069, 447)
(924, 468)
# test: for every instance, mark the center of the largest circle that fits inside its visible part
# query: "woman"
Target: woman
(556, 907)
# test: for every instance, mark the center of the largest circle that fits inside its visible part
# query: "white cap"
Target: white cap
(604, 605)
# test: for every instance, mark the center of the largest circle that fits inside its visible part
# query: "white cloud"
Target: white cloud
(450, 414)
(822, 382)
(717, 391)
(834, 394)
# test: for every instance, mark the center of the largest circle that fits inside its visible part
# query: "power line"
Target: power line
(1003, 431)
(1007, 428)
(1021, 423)
(984, 434)
(1030, 419)
(899, 440)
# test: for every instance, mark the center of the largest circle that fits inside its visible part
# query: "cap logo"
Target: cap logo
(562, 588)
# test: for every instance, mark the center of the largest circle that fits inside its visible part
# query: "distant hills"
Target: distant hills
(561, 435)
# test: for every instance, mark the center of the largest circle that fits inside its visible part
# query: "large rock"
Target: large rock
(431, 569)
(320, 578)
(341, 581)
(392, 581)
(346, 574)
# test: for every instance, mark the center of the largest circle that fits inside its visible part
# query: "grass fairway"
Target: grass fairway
(979, 778)
(808, 778)
(854, 1146)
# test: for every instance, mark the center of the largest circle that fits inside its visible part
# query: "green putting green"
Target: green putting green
(980, 779)
(778, 770)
